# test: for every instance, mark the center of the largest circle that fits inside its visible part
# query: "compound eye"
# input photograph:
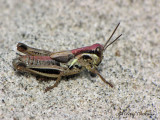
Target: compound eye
(98, 50)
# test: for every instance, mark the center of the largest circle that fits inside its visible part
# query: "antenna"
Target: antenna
(105, 45)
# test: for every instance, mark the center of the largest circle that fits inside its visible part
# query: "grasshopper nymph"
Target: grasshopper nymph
(59, 64)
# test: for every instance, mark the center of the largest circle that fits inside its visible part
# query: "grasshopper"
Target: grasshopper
(59, 64)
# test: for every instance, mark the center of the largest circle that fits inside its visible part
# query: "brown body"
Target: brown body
(58, 64)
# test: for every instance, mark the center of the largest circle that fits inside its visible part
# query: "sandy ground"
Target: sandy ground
(132, 64)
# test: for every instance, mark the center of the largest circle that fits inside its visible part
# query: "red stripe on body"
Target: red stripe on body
(83, 49)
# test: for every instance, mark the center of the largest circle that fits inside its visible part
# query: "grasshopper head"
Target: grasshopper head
(99, 49)
(94, 54)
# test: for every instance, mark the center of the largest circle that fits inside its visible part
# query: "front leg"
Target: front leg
(93, 70)
(32, 51)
